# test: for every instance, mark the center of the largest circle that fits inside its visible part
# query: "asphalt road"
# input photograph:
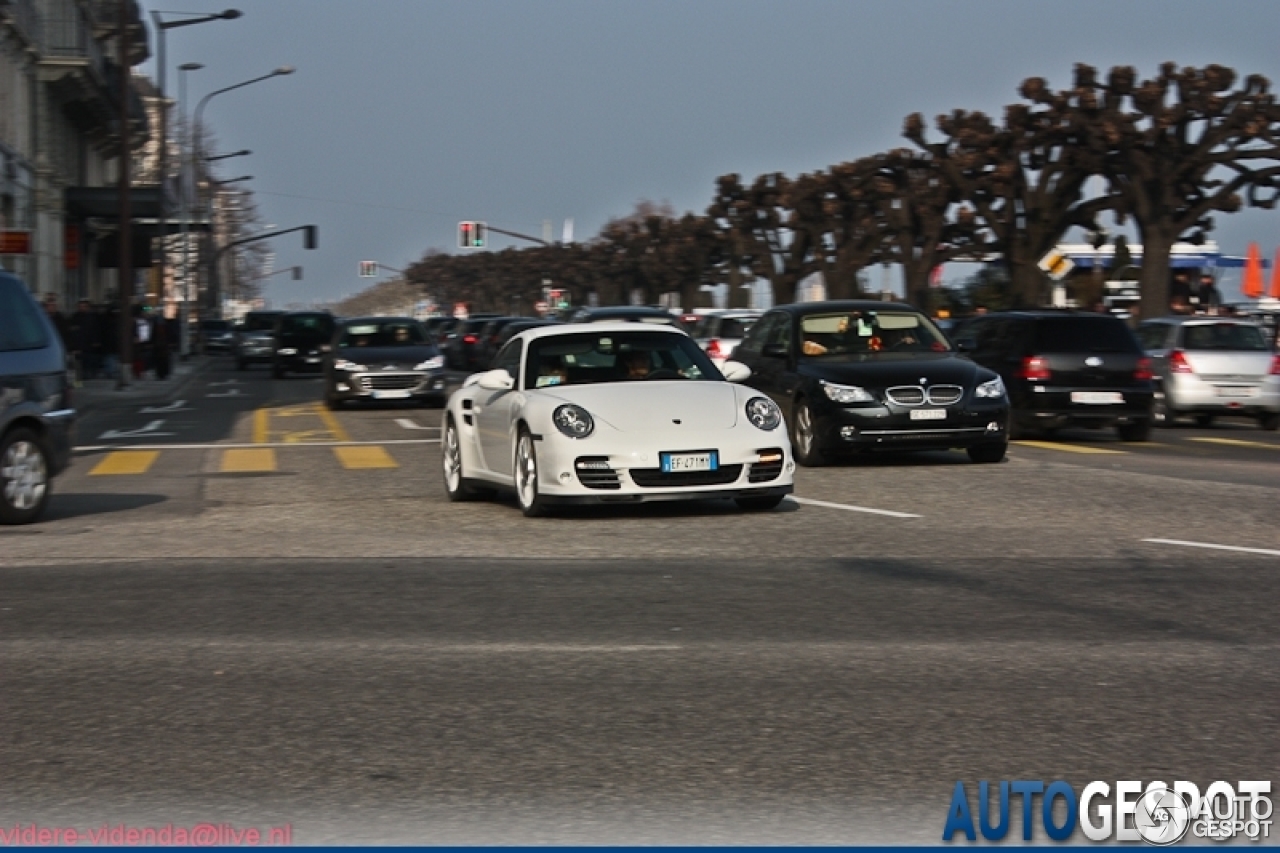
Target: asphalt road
(265, 615)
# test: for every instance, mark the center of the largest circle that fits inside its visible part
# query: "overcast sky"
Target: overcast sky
(406, 116)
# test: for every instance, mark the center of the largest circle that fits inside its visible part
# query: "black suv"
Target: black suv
(301, 340)
(1065, 368)
(36, 417)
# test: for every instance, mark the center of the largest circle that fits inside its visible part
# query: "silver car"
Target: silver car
(720, 332)
(1210, 366)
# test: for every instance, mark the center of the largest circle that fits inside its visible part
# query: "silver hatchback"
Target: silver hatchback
(1210, 366)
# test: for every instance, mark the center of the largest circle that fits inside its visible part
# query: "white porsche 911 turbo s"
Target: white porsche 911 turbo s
(610, 413)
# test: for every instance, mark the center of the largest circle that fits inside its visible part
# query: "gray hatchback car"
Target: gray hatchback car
(36, 418)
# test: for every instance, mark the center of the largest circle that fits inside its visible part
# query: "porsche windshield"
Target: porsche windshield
(590, 358)
(863, 332)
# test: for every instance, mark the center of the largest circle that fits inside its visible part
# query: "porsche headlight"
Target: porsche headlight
(847, 393)
(573, 421)
(288, 351)
(763, 413)
(992, 390)
(435, 363)
(349, 366)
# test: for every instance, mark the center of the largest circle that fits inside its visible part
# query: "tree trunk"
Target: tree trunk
(1028, 283)
(915, 277)
(738, 296)
(1157, 243)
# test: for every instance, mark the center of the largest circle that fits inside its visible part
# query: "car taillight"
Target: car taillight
(1275, 365)
(1143, 371)
(1035, 367)
(713, 348)
(468, 339)
(1178, 362)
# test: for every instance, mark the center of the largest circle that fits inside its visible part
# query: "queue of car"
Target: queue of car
(634, 403)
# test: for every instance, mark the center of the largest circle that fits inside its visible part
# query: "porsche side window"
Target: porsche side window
(509, 358)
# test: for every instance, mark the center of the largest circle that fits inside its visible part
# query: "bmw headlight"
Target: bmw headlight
(435, 363)
(288, 351)
(847, 393)
(992, 390)
(573, 421)
(763, 413)
(349, 366)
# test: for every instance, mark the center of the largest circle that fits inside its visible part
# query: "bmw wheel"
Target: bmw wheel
(531, 501)
(24, 477)
(804, 437)
(456, 486)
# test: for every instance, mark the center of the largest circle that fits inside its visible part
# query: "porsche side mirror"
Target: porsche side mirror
(496, 380)
(736, 371)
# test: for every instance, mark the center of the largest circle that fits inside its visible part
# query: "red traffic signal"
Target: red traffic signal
(472, 235)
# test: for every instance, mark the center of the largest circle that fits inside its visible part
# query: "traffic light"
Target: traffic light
(368, 269)
(297, 273)
(309, 237)
(472, 235)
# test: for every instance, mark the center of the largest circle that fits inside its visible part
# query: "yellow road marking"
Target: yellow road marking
(364, 457)
(331, 422)
(264, 431)
(1068, 448)
(1237, 442)
(125, 462)
(243, 460)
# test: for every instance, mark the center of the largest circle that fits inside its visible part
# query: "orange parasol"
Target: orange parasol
(1252, 284)
(1275, 276)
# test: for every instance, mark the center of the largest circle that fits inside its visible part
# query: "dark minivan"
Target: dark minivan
(36, 417)
(301, 342)
(1065, 368)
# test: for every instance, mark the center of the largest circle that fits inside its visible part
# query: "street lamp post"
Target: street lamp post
(162, 26)
(184, 193)
(199, 141)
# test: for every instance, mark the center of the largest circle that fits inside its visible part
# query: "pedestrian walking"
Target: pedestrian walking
(82, 336)
(161, 346)
(141, 342)
(59, 321)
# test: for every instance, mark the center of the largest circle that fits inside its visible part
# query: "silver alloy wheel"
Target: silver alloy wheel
(526, 472)
(24, 475)
(804, 429)
(452, 459)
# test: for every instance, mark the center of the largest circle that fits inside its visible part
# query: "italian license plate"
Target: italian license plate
(1098, 398)
(397, 394)
(928, 414)
(675, 463)
(1238, 391)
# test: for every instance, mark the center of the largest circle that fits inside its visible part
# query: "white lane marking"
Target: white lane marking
(852, 508)
(220, 384)
(1268, 551)
(148, 430)
(407, 423)
(230, 392)
(175, 406)
(92, 447)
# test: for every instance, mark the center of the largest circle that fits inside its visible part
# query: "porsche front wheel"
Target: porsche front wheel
(531, 501)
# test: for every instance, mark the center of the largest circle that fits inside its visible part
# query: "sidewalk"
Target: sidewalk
(99, 392)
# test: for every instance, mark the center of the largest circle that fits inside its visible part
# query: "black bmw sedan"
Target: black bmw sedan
(855, 376)
(384, 358)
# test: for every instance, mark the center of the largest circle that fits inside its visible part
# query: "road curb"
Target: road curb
(146, 399)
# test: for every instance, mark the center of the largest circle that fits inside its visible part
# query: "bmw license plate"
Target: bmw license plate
(1098, 398)
(1236, 391)
(928, 414)
(676, 463)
